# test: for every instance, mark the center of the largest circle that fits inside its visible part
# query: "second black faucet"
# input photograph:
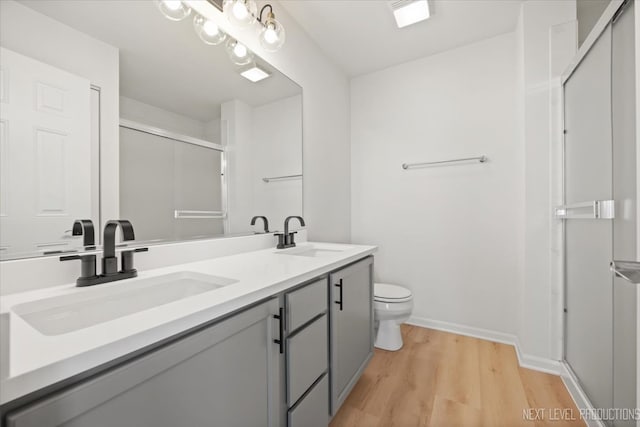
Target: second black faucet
(286, 239)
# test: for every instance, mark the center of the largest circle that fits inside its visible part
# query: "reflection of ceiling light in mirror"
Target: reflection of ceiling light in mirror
(238, 53)
(173, 9)
(240, 12)
(407, 12)
(272, 34)
(208, 31)
(254, 73)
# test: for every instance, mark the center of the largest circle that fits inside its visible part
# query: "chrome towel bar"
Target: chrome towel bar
(595, 209)
(182, 214)
(481, 159)
(281, 178)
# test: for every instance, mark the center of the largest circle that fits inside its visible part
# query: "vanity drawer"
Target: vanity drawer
(306, 303)
(313, 409)
(307, 358)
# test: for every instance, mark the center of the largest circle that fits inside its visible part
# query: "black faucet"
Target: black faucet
(264, 220)
(286, 239)
(110, 271)
(84, 227)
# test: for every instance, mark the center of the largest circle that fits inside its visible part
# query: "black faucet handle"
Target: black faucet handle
(126, 259)
(87, 267)
(282, 240)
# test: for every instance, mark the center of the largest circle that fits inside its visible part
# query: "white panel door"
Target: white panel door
(589, 242)
(45, 154)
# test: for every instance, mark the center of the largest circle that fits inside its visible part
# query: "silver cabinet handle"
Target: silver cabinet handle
(628, 270)
(596, 209)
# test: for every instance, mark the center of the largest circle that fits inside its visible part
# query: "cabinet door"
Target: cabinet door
(351, 327)
(226, 375)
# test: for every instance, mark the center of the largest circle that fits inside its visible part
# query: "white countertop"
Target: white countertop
(36, 360)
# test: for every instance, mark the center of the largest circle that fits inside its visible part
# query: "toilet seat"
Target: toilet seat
(384, 292)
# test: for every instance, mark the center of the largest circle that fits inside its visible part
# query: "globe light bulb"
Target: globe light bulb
(172, 4)
(239, 50)
(208, 31)
(241, 13)
(174, 10)
(210, 28)
(238, 53)
(272, 34)
(240, 10)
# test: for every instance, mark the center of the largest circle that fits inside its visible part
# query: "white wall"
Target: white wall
(546, 51)
(263, 141)
(277, 151)
(452, 234)
(40, 37)
(325, 119)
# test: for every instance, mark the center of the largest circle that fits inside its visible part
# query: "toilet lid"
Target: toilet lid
(390, 293)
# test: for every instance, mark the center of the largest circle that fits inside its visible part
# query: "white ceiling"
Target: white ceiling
(164, 63)
(361, 36)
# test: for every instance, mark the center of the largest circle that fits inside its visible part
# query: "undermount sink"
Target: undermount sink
(313, 251)
(89, 307)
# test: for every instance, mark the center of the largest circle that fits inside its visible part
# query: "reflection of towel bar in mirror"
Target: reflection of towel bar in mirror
(596, 209)
(481, 159)
(184, 214)
(282, 178)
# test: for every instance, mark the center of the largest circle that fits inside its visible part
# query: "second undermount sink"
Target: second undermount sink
(313, 251)
(89, 307)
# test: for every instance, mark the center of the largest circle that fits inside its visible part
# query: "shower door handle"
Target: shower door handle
(628, 270)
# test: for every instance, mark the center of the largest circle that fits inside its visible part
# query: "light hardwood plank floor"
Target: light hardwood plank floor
(439, 379)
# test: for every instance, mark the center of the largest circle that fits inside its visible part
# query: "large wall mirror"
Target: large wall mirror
(199, 148)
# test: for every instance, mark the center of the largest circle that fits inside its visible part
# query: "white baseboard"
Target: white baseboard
(469, 331)
(579, 397)
(536, 363)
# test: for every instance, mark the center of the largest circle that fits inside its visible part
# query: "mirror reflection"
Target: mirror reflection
(110, 110)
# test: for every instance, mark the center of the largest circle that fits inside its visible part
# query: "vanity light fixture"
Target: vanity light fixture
(240, 12)
(408, 12)
(254, 73)
(272, 34)
(174, 10)
(238, 52)
(208, 31)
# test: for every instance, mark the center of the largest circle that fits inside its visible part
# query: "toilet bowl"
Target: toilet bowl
(392, 306)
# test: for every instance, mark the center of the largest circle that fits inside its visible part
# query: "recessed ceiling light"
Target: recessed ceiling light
(254, 73)
(409, 12)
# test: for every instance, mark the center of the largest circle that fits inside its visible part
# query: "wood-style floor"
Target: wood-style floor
(440, 379)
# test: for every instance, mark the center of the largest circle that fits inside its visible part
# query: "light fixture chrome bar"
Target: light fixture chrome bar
(628, 270)
(281, 178)
(596, 209)
(481, 159)
(186, 214)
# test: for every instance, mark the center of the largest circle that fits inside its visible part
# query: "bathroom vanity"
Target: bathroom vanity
(281, 342)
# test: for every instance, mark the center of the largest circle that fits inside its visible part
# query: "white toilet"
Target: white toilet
(392, 305)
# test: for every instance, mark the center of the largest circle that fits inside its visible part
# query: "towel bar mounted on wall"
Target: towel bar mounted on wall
(282, 178)
(481, 159)
(185, 214)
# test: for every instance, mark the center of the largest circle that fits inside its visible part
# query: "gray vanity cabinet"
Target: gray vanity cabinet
(351, 327)
(307, 357)
(228, 374)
